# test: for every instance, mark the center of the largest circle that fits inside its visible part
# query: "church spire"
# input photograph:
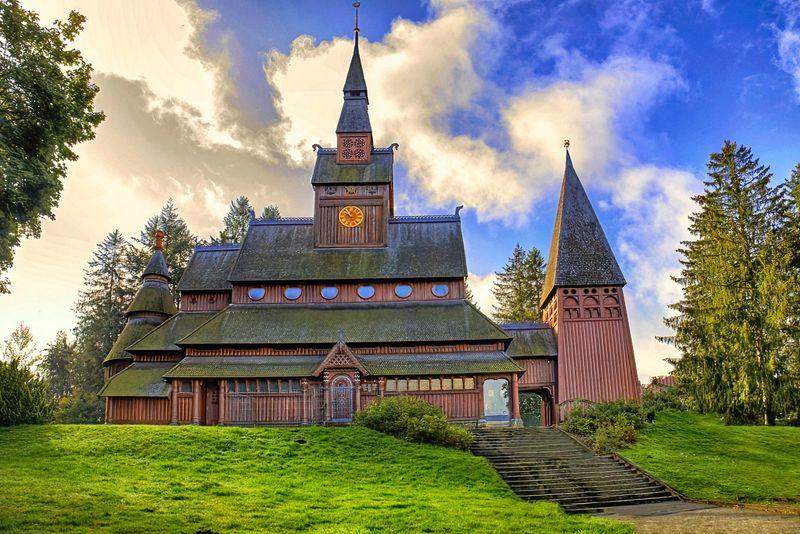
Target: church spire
(579, 252)
(354, 131)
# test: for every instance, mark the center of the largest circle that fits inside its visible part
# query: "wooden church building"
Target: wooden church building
(311, 319)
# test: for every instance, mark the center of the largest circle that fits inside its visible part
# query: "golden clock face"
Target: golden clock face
(351, 216)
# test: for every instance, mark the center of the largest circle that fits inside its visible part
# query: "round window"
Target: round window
(329, 293)
(256, 293)
(440, 290)
(292, 293)
(402, 290)
(366, 292)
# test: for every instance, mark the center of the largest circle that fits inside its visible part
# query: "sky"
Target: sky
(207, 100)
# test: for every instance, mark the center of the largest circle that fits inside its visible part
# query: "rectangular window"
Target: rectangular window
(413, 385)
(186, 386)
(458, 383)
(402, 384)
(436, 384)
(447, 384)
(424, 384)
(262, 386)
(469, 382)
(273, 386)
(284, 386)
(241, 386)
(391, 385)
(231, 386)
(294, 386)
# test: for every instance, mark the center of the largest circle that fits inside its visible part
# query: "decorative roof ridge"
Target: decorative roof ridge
(281, 220)
(424, 218)
(525, 325)
(217, 247)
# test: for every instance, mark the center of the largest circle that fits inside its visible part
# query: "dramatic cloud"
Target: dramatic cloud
(788, 40)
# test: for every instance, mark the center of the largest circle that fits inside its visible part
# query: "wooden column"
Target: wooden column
(174, 402)
(481, 404)
(357, 387)
(304, 408)
(326, 380)
(381, 386)
(108, 416)
(516, 420)
(195, 402)
(223, 386)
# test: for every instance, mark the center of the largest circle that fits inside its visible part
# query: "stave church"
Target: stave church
(309, 320)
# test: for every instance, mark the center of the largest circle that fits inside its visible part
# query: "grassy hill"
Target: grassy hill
(706, 460)
(189, 479)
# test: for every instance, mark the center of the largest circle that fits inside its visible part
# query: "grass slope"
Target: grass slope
(704, 459)
(188, 479)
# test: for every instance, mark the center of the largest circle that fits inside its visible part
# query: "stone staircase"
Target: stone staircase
(546, 463)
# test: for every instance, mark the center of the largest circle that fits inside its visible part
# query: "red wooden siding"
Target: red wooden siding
(258, 408)
(138, 410)
(456, 405)
(185, 407)
(538, 371)
(205, 301)
(384, 292)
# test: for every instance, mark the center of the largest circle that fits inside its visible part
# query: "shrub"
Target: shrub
(656, 400)
(23, 396)
(413, 419)
(79, 408)
(607, 425)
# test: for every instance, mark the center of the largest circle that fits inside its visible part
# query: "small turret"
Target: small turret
(152, 305)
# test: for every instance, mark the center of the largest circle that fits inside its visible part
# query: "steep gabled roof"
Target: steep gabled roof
(579, 252)
(378, 171)
(208, 268)
(531, 340)
(163, 338)
(319, 324)
(418, 247)
(140, 379)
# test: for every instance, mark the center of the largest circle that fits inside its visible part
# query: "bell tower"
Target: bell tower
(582, 300)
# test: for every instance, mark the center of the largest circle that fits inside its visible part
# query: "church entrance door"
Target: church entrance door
(341, 399)
(212, 403)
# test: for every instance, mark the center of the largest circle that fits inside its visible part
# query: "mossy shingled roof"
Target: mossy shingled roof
(140, 379)
(535, 340)
(153, 297)
(163, 338)
(418, 248)
(208, 268)
(377, 171)
(133, 330)
(388, 322)
(245, 367)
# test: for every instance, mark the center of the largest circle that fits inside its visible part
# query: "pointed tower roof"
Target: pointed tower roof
(354, 116)
(579, 252)
(158, 263)
(154, 295)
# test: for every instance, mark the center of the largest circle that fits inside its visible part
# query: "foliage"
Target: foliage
(100, 311)
(607, 425)
(731, 323)
(57, 361)
(20, 347)
(413, 419)
(237, 221)
(201, 479)
(24, 398)
(706, 460)
(518, 287)
(655, 399)
(46, 99)
(81, 407)
(271, 212)
(179, 243)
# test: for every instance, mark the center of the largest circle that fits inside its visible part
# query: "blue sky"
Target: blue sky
(210, 100)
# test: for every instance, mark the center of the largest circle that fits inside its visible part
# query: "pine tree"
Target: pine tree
(731, 320)
(518, 287)
(57, 361)
(271, 212)
(101, 310)
(236, 222)
(179, 243)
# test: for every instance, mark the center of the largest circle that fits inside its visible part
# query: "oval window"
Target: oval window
(402, 290)
(292, 293)
(366, 292)
(256, 293)
(440, 290)
(329, 293)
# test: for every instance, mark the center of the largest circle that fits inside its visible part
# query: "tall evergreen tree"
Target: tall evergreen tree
(518, 287)
(236, 222)
(731, 320)
(100, 310)
(271, 212)
(179, 243)
(57, 362)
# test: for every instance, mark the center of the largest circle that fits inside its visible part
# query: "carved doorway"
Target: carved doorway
(341, 395)
(212, 403)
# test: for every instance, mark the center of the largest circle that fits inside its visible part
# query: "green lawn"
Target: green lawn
(188, 479)
(704, 459)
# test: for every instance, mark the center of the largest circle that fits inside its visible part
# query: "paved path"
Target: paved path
(694, 518)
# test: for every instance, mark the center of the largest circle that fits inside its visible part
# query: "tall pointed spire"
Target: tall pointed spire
(579, 252)
(354, 131)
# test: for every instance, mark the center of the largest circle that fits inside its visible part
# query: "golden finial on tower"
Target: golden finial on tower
(566, 143)
(356, 5)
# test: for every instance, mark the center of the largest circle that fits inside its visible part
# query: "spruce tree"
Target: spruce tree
(518, 287)
(57, 362)
(271, 212)
(236, 222)
(731, 320)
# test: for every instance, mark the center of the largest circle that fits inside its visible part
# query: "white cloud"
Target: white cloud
(788, 41)
(481, 287)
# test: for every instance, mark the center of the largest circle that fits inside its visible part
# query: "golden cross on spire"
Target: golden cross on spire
(566, 143)
(356, 5)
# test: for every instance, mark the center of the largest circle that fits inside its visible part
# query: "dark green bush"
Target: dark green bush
(413, 419)
(606, 425)
(79, 408)
(24, 397)
(658, 399)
